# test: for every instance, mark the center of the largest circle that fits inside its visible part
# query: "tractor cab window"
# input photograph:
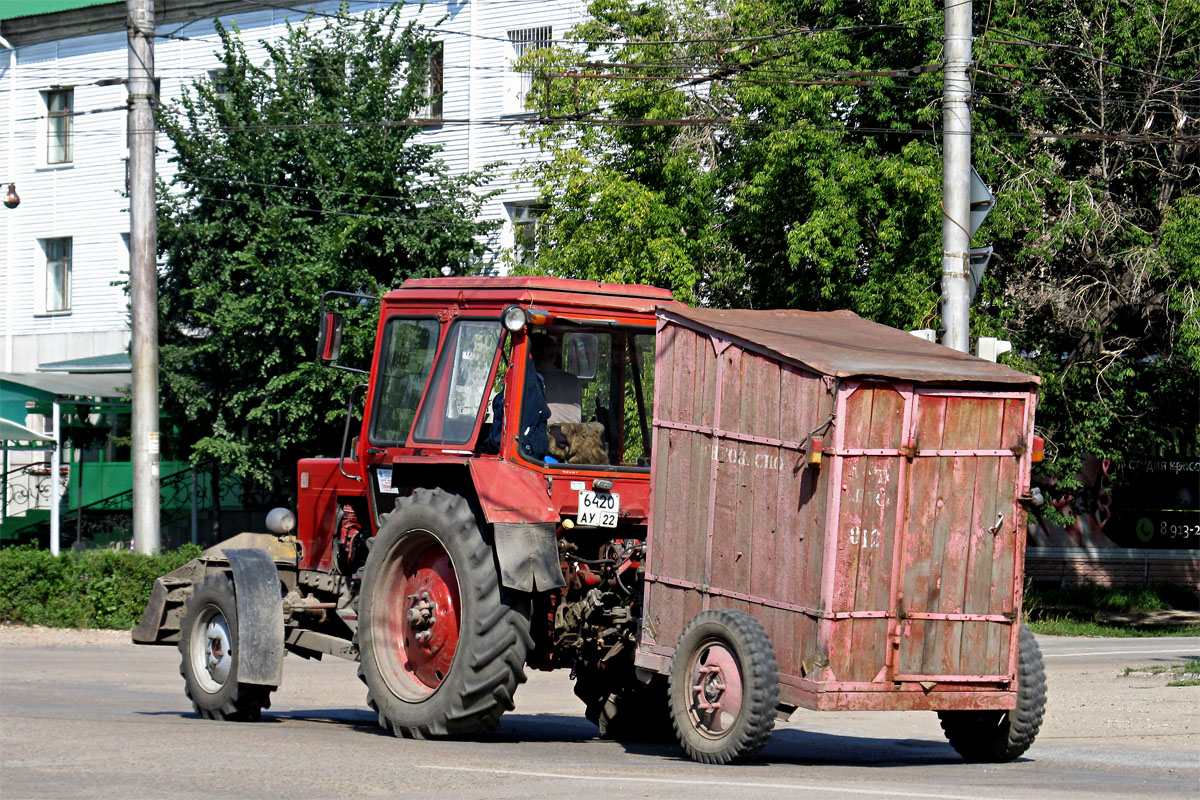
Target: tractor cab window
(404, 364)
(460, 382)
(598, 387)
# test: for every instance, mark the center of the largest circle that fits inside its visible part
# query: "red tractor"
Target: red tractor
(496, 512)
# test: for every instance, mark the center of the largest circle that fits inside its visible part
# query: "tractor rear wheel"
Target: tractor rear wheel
(442, 644)
(209, 648)
(724, 687)
(996, 736)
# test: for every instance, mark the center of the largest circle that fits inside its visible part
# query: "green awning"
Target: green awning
(117, 362)
(19, 388)
(11, 9)
(12, 432)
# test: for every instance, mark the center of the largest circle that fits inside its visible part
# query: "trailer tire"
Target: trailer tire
(997, 736)
(726, 656)
(209, 663)
(442, 644)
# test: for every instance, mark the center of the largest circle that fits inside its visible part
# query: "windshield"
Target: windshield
(599, 387)
(457, 390)
(404, 365)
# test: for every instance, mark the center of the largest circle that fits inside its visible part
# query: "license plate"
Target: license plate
(598, 509)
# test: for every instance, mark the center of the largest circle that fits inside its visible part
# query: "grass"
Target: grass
(1066, 626)
(1073, 611)
(1185, 674)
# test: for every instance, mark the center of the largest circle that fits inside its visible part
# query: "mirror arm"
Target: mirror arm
(346, 432)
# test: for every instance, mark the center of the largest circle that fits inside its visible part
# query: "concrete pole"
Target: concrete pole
(956, 177)
(55, 468)
(10, 280)
(143, 277)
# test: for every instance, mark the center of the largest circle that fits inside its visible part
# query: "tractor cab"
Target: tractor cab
(507, 389)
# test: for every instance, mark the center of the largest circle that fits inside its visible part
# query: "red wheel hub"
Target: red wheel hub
(715, 689)
(422, 618)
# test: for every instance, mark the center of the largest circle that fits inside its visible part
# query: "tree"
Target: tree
(297, 176)
(768, 153)
(1096, 219)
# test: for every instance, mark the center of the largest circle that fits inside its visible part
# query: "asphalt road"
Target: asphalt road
(85, 714)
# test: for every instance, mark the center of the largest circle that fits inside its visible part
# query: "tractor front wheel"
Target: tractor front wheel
(209, 646)
(442, 644)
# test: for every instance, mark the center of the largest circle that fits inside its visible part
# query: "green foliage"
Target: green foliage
(92, 589)
(304, 175)
(760, 190)
(787, 154)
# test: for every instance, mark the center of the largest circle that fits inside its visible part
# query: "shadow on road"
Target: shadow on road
(788, 746)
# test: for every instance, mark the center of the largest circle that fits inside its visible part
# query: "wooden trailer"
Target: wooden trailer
(855, 490)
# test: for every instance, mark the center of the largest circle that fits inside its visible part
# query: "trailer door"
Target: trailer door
(963, 539)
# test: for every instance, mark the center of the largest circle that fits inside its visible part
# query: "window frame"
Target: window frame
(64, 269)
(630, 329)
(64, 121)
(521, 216)
(435, 83)
(376, 387)
(445, 351)
(520, 83)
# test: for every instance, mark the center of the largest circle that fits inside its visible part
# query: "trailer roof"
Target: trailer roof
(845, 345)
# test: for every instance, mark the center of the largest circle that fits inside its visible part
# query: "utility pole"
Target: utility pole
(143, 277)
(956, 176)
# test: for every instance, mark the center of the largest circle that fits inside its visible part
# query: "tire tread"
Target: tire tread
(499, 641)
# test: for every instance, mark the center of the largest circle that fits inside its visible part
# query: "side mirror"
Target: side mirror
(329, 341)
(583, 355)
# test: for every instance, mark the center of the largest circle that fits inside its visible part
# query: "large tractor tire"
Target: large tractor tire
(724, 687)
(442, 644)
(209, 646)
(996, 736)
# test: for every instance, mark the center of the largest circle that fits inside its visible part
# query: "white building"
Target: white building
(62, 108)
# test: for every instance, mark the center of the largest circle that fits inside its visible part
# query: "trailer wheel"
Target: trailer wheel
(209, 649)
(723, 687)
(996, 736)
(442, 644)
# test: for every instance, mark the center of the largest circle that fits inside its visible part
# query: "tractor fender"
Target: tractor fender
(517, 503)
(259, 616)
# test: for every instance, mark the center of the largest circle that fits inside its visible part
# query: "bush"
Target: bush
(92, 589)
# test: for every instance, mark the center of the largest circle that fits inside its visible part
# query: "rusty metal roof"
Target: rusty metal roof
(843, 344)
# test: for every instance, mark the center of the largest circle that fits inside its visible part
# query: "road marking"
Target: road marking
(1121, 652)
(809, 787)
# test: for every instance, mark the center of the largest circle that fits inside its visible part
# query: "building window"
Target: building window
(220, 80)
(435, 84)
(58, 274)
(59, 124)
(524, 220)
(520, 83)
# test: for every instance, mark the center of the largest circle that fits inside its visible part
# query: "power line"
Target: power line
(533, 120)
(1025, 41)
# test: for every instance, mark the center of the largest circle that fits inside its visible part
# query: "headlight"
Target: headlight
(514, 318)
